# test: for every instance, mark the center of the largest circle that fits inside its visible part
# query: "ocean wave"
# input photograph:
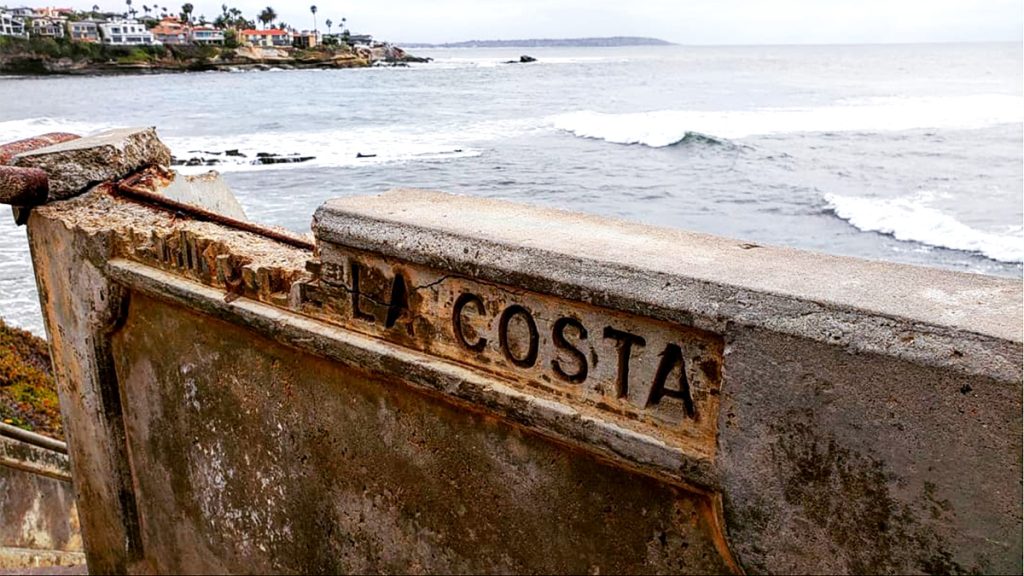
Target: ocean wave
(914, 219)
(339, 147)
(11, 130)
(668, 127)
(334, 147)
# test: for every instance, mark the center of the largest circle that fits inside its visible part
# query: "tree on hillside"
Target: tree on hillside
(186, 12)
(313, 10)
(267, 16)
(129, 3)
(329, 24)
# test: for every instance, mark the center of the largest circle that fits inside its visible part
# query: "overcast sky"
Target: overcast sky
(681, 21)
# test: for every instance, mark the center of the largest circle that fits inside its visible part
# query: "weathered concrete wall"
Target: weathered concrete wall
(38, 516)
(449, 384)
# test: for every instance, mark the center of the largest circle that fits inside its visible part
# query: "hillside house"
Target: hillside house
(207, 35)
(306, 39)
(12, 25)
(47, 27)
(271, 38)
(170, 31)
(84, 31)
(123, 32)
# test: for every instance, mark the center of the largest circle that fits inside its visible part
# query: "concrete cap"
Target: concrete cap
(75, 165)
(675, 274)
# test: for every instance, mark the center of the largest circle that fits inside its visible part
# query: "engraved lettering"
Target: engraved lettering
(558, 336)
(399, 300)
(357, 312)
(670, 358)
(528, 360)
(624, 341)
(460, 335)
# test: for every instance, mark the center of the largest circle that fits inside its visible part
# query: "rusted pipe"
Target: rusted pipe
(33, 438)
(126, 190)
(12, 149)
(23, 186)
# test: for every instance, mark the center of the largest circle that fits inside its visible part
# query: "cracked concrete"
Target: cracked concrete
(450, 384)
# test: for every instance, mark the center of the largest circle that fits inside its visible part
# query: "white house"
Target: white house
(206, 35)
(11, 25)
(126, 33)
(48, 27)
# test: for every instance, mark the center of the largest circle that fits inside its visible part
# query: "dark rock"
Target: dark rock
(235, 153)
(361, 155)
(264, 159)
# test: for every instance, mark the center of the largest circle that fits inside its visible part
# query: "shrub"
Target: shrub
(28, 393)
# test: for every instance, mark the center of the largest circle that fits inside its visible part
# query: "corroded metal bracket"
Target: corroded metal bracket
(23, 188)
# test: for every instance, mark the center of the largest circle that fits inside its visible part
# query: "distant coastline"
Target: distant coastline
(44, 56)
(604, 42)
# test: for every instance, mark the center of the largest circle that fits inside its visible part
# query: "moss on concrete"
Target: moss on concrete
(28, 392)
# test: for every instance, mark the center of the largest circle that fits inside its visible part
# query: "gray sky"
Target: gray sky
(681, 21)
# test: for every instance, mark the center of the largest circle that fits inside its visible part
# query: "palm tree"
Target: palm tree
(313, 10)
(95, 10)
(329, 24)
(186, 12)
(129, 3)
(267, 16)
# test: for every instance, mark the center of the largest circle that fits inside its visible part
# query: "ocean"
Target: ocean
(905, 153)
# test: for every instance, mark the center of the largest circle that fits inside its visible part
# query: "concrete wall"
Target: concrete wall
(38, 516)
(448, 384)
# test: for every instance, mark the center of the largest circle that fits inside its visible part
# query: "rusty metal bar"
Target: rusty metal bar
(32, 438)
(23, 186)
(134, 193)
(12, 149)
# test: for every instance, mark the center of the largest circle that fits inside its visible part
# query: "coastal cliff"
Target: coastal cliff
(47, 56)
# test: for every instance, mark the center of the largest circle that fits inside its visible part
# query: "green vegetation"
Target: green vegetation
(28, 393)
(64, 48)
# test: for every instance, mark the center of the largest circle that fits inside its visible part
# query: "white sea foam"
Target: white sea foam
(341, 147)
(11, 130)
(667, 127)
(914, 218)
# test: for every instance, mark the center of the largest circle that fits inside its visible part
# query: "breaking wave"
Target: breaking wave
(668, 127)
(335, 147)
(361, 146)
(11, 130)
(913, 218)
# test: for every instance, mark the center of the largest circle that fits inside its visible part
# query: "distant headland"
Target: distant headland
(609, 42)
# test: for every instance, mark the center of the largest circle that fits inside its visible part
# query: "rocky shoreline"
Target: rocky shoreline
(17, 60)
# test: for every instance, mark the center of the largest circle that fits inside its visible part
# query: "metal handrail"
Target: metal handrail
(37, 440)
